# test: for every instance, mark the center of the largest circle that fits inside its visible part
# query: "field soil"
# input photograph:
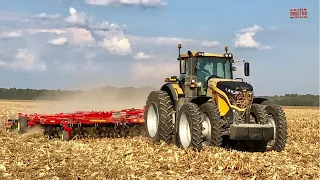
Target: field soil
(32, 156)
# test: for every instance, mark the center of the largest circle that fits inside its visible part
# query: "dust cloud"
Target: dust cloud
(104, 99)
(34, 130)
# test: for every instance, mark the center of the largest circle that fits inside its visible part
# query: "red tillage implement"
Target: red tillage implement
(126, 122)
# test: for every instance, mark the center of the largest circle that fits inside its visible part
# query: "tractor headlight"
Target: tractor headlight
(228, 55)
(231, 91)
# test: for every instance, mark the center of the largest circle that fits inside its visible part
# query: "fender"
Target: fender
(258, 100)
(174, 92)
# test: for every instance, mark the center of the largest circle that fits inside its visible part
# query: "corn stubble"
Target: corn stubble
(32, 156)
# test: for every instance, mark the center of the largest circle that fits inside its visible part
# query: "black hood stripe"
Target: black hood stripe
(234, 85)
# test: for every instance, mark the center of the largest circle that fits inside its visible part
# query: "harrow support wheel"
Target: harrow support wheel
(158, 117)
(22, 125)
(189, 127)
(277, 118)
(65, 135)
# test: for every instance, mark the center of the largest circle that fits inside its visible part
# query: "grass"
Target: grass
(31, 156)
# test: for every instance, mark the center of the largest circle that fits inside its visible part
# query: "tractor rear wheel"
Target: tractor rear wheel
(189, 127)
(22, 125)
(158, 117)
(277, 118)
(212, 123)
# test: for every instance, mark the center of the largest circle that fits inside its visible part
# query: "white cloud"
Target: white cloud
(26, 60)
(51, 31)
(76, 36)
(210, 43)
(11, 34)
(72, 11)
(253, 29)
(47, 16)
(245, 39)
(117, 45)
(159, 40)
(115, 42)
(142, 55)
(80, 36)
(2, 63)
(155, 69)
(107, 26)
(86, 65)
(59, 41)
(117, 3)
(77, 18)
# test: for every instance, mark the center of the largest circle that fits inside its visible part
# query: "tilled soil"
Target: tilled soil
(31, 156)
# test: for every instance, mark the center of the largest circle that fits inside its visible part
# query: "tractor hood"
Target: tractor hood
(228, 86)
(239, 93)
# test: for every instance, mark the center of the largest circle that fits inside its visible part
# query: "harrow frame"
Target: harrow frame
(67, 125)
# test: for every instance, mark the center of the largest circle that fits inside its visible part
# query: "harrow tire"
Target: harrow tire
(158, 117)
(260, 115)
(22, 125)
(211, 111)
(189, 127)
(65, 136)
(280, 123)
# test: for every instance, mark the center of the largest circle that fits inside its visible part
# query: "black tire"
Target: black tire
(65, 135)
(211, 110)
(22, 125)
(280, 121)
(159, 105)
(194, 119)
(260, 115)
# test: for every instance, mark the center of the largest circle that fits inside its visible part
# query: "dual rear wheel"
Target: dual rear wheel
(193, 126)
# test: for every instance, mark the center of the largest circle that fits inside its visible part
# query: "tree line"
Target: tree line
(130, 92)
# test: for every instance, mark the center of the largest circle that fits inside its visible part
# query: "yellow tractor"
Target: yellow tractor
(207, 106)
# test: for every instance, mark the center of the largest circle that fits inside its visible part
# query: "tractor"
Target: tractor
(206, 106)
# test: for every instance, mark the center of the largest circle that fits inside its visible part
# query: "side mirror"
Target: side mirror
(246, 69)
(183, 66)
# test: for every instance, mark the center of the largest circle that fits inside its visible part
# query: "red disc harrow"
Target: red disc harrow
(112, 124)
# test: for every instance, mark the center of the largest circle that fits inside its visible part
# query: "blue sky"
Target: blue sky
(71, 44)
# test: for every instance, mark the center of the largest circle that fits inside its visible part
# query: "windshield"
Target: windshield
(207, 66)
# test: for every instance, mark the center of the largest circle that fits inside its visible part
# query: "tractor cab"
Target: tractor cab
(201, 66)
(205, 65)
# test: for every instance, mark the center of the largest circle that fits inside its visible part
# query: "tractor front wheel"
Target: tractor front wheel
(158, 117)
(189, 127)
(212, 123)
(277, 118)
(259, 115)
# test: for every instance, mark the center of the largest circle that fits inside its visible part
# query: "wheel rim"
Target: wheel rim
(153, 120)
(271, 121)
(207, 129)
(19, 126)
(184, 131)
